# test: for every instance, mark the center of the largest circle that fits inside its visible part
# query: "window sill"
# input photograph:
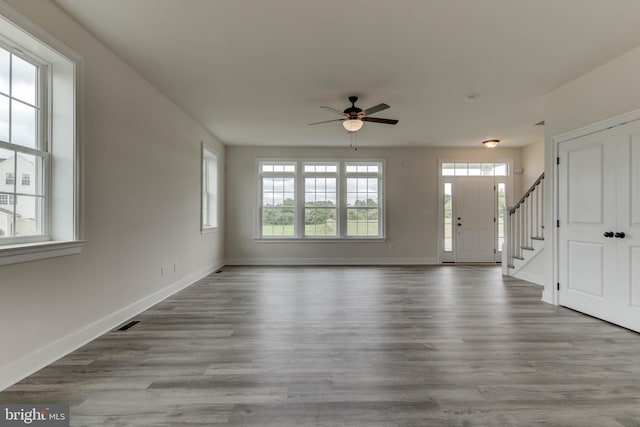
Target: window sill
(13, 254)
(208, 230)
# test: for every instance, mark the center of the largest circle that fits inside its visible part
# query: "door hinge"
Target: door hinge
(557, 160)
(494, 188)
(558, 286)
(558, 223)
(494, 219)
(495, 252)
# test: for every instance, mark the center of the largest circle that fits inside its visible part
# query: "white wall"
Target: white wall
(142, 211)
(411, 205)
(607, 91)
(532, 164)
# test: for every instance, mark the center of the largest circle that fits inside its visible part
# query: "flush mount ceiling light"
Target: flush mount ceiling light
(353, 125)
(491, 143)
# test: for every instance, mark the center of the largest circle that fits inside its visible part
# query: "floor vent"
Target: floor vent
(128, 325)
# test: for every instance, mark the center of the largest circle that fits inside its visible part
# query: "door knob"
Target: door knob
(608, 234)
(620, 235)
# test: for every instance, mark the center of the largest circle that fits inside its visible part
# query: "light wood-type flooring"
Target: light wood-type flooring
(351, 346)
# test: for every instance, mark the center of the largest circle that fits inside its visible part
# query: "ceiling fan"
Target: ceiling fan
(354, 117)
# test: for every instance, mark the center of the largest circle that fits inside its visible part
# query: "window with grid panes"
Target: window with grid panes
(278, 199)
(313, 199)
(320, 199)
(40, 143)
(23, 150)
(363, 183)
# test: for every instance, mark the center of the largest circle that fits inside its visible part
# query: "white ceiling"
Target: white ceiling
(255, 72)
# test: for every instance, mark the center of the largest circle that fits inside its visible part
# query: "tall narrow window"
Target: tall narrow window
(364, 205)
(502, 211)
(209, 189)
(448, 217)
(278, 200)
(320, 199)
(22, 147)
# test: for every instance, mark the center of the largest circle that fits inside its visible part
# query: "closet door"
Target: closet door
(599, 235)
(587, 210)
(628, 222)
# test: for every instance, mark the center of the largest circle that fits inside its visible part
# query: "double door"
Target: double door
(599, 234)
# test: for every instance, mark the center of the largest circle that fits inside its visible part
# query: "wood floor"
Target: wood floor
(351, 346)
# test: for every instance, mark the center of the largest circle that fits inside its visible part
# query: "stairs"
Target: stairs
(524, 236)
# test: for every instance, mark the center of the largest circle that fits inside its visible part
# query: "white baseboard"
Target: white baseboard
(538, 279)
(547, 296)
(331, 261)
(31, 363)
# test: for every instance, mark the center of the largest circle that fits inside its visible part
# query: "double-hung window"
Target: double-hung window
(40, 170)
(278, 201)
(209, 189)
(309, 199)
(23, 150)
(364, 181)
(320, 199)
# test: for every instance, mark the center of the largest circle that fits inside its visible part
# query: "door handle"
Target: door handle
(459, 224)
(608, 234)
(620, 235)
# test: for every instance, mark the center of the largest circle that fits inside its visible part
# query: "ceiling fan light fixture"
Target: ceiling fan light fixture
(352, 125)
(491, 143)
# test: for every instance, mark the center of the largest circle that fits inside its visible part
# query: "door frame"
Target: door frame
(553, 286)
(509, 179)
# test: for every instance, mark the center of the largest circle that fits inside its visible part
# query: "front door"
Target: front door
(474, 221)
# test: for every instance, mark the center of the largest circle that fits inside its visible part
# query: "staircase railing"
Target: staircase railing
(525, 222)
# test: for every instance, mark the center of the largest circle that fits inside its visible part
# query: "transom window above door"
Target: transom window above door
(475, 169)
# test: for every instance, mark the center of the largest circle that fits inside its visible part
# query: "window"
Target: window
(278, 208)
(363, 194)
(320, 199)
(7, 199)
(502, 211)
(22, 147)
(39, 143)
(474, 169)
(209, 189)
(448, 217)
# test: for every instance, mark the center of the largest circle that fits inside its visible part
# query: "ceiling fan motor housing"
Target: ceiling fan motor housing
(353, 111)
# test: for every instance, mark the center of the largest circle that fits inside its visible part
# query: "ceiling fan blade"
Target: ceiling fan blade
(333, 109)
(375, 109)
(377, 120)
(327, 121)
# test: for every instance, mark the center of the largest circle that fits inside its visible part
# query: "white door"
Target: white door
(599, 213)
(474, 220)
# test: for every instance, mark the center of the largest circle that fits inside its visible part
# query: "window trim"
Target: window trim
(299, 203)
(205, 152)
(65, 220)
